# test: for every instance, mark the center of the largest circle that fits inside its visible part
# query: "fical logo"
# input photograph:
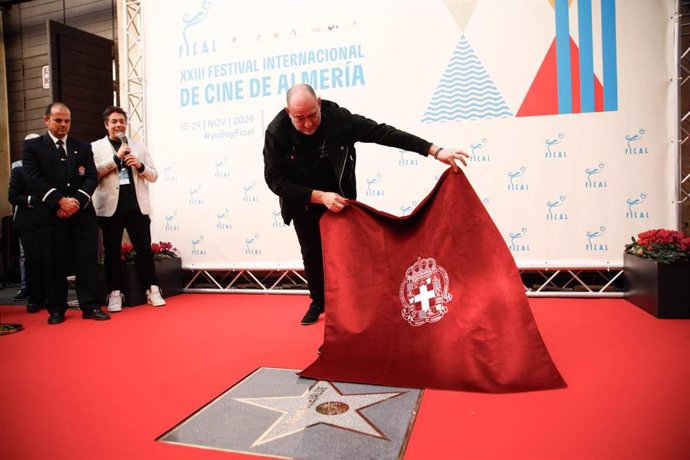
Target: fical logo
(554, 214)
(407, 209)
(196, 47)
(517, 243)
(593, 178)
(169, 173)
(220, 169)
(195, 196)
(424, 293)
(633, 144)
(515, 185)
(250, 195)
(170, 223)
(278, 219)
(221, 220)
(553, 152)
(477, 155)
(594, 242)
(373, 186)
(197, 249)
(252, 245)
(633, 203)
(408, 158)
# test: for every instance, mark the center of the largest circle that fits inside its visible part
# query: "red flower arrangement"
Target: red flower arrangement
(665, 246)
(161, 250)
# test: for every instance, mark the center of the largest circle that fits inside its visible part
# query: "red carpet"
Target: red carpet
(85, 390)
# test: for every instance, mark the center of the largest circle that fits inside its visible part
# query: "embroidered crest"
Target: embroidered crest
(81, 170)
(424, 292)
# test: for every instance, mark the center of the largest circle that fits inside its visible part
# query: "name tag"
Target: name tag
(124, 176)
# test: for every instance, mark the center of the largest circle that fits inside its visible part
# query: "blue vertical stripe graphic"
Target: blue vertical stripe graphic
(565, 98)
(584, 24)
(608, 40)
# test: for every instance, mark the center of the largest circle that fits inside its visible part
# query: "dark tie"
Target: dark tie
(61, 150)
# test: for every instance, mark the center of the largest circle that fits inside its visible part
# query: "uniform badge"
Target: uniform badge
(424, 293)
(81, 170)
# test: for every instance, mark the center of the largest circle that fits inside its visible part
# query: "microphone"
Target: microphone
(122, 138)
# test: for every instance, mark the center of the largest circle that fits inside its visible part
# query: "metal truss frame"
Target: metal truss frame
(551, 282)
(247, 281)
(683, 86)
(573, 282)
(132, 57)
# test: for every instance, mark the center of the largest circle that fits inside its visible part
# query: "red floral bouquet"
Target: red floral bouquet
(665, 246)
(161, 250)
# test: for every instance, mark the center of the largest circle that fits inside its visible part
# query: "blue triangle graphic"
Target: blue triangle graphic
(465, 92)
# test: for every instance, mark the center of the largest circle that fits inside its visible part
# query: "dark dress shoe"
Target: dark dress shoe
(312, 315)
(21, 295)
(95, 314)
(56, 317)
(33, 307)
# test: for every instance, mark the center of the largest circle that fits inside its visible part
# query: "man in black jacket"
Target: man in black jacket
(27, 221)
(309, 162)
(62, 173)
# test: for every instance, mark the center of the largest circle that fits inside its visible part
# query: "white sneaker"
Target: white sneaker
(115, 300)
(153, 296)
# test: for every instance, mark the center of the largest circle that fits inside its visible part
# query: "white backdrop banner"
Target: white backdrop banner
(568, 109)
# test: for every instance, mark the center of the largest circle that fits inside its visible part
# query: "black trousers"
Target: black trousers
(73, 250)
(309, 236)
(138, 227)
(35, 243)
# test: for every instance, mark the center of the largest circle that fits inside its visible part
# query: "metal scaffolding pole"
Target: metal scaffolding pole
(683, 88)
(132, 57)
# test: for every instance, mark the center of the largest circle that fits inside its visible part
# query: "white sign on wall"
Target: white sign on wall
(45, 76)
(566, 108)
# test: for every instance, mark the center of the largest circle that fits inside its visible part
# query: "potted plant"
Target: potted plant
(168, 271)
(657, 273)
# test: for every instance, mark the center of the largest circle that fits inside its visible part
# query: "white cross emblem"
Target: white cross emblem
(424, 296)
(424, 280)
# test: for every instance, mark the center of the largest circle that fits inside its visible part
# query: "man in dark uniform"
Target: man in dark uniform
(62, 174)
(309, 162)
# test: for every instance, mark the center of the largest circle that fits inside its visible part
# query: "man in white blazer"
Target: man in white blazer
(121, 200)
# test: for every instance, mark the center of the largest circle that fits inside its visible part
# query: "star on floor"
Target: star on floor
(321, 403)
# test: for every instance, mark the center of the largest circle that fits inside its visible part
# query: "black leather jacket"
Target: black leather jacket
(341, 130)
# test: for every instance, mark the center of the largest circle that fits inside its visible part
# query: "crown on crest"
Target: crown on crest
(422, 269)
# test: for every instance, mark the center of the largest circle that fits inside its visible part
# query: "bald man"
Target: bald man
(309, 162)
(61, 173)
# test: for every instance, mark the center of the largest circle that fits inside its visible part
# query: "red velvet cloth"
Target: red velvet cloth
(468, 327)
